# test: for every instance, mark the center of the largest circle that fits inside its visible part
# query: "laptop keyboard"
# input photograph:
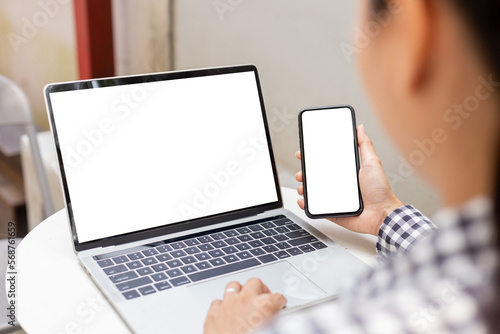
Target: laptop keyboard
(164, 265)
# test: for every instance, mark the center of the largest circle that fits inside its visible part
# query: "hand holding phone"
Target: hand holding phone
(378, 198)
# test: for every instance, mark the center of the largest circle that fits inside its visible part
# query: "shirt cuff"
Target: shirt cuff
(402, 229)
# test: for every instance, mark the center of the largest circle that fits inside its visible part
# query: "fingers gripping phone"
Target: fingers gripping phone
(330, 162)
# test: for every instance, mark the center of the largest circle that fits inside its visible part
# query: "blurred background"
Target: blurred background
(303, 50)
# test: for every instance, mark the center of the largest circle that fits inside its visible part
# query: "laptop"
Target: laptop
(171, 192)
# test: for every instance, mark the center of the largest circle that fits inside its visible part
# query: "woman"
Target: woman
(433, 73)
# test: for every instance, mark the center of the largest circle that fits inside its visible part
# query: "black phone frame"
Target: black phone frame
(303, 164)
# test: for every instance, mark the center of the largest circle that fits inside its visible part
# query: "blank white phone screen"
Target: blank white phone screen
(330, 161)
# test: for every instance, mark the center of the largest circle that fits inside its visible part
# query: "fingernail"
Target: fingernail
(361, 128)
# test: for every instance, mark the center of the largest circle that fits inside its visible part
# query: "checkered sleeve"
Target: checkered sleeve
(401, 230)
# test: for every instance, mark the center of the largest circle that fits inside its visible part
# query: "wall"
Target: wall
(296, 46)
(37, 46)
(141, 36)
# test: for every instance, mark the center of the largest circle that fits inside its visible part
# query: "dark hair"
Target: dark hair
(483, 16)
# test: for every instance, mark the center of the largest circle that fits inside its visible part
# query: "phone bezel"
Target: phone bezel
(303, 164)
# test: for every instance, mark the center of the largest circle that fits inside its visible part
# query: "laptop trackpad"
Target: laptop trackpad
(280, 277)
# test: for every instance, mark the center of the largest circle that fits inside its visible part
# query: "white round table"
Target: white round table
(55, 295)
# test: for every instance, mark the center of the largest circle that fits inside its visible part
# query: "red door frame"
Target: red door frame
(94, 33)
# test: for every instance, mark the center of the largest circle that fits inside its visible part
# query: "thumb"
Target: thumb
(279, 301)
(366, 148)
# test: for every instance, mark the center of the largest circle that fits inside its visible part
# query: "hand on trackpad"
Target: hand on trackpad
(280, 277)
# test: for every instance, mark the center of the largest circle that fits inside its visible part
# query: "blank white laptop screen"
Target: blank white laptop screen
(144, 155)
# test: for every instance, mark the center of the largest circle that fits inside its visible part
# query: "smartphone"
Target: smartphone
(330, 162)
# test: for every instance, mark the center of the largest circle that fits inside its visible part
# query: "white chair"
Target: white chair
(15, 110)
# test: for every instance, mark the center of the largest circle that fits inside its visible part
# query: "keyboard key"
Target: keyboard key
(174, 263)
(282, 221)
(135, 256)
(307, 248)
(115, 270)
(243, 247)
(159, 267)
(203, 265)
(134, 283)
(281, 237)
(203, 256)
(268, 241)
(105, 263)
(217, 262)
(217, 271)
(270, 233)
(145, 271)
(319, 245)
(163, 257)
(205, 239)
(230, 258)
(294, 227)
(159, 277)
(178, 253)
(134, 265)
(174, 273)
(268, 225)
(281, 229)
(243, 230)
(164, 248)
(282, 245)
(180, 281)
(192, 250)
(230, 233)
(255, 227)
(219, 244)
(302, 241)
(147, 290)
(281, 255)
(232, 241)
(257, 251)
(149, 261)
(257, 235)
(162, 286)
(178, 245)
(131, 294)
(245, 238)
(123, 277)
(244, 255)
(230, 250)
(205, 247)
(189, 269)
(149, 252)
(188, 259)
(267, 258)
(120, 259)
(216, 253)
(218, 236)
(270, 248)
(191, 242)
(294, 251)
(256, 243)
(297, 234)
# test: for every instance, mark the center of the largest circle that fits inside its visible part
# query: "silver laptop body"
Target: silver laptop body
(171, 190)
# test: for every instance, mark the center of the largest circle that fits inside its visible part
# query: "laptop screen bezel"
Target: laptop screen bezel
(174, 227)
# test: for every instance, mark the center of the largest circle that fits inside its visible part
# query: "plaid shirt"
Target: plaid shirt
(438, 282)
